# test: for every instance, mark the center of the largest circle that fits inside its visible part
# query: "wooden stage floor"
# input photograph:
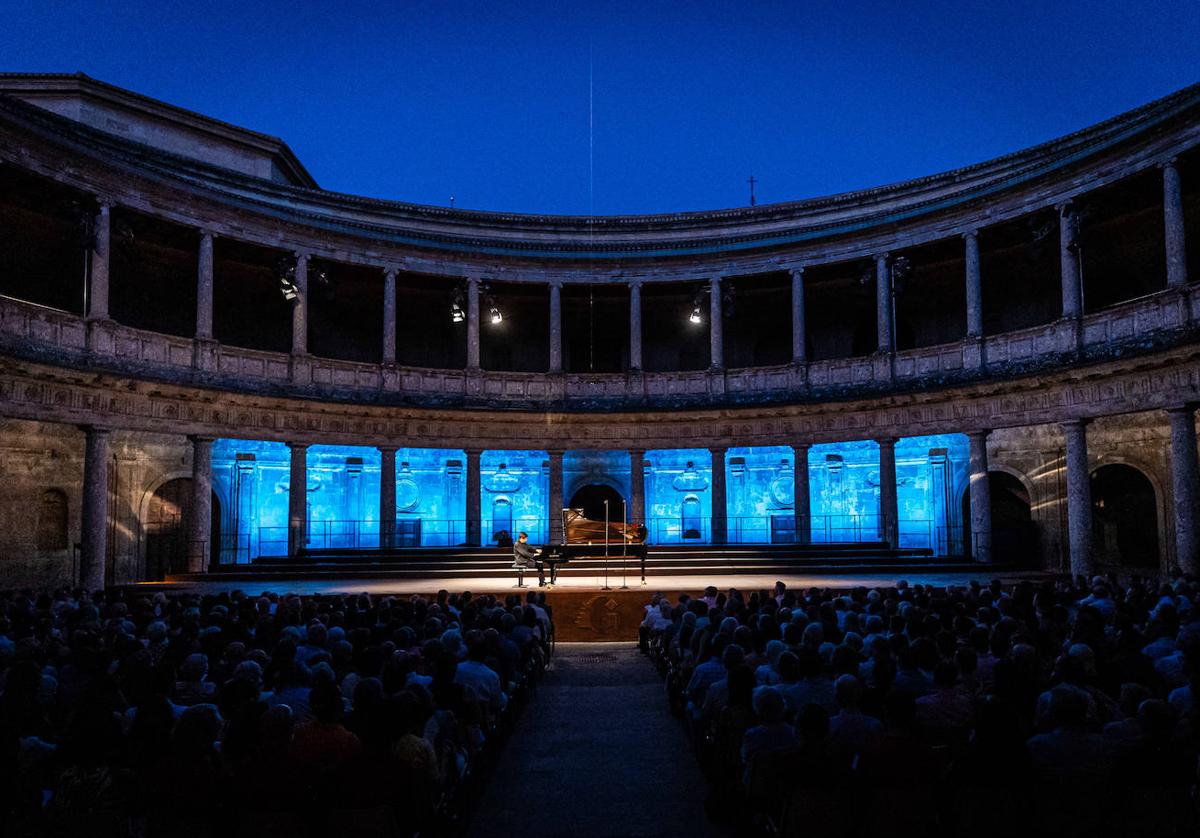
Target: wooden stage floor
(583, 611)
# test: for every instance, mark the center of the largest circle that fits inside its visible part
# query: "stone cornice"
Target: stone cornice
(619, 237)
(45, 393)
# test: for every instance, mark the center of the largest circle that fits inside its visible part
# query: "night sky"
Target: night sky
(488, 102)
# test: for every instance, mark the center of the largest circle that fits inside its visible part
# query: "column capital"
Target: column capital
(886, 441)
(979, 433)
(1075, 424)
(1171, 162)
(196, 439)
(384, 449)
(1065, 207)
(472, 451)
(882, 256)
(206, 234)
(298, 446)
(796, 270)
(971, 234)
(95, 430)
(553, 453)
(391, 271)
(104, 203)
(1187, 408)
(718, 449)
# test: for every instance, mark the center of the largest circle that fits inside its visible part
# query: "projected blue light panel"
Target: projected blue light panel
(515, 487)
(679, 496)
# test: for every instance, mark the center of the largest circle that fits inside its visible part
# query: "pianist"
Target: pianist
(525, 555)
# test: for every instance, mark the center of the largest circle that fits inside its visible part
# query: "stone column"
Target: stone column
(635, 327)
(199, 548)
(799, 331)
(981, 497)
(1068, 246)
(716, 334)
(387, 497)
(889, 513)
(1185, 486)
(300, 307)
(474, 489)
(720, 503)
(298, 498)
(473, 323)
(974, 286)
(637, 486)
(1079, 497)
(801, 498)
(883, 303)
(98, 285)
(204, 288)
(554, 503)
(1177, 269)
(94, 513)
(556, 364)
(389, 316)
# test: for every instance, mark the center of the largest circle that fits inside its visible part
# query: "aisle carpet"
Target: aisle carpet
(596, 753)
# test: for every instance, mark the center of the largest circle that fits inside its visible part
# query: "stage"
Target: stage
(583, 610)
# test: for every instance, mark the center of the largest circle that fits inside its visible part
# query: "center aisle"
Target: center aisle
(596, 753)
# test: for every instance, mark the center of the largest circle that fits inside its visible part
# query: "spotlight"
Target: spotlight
(695, 317)
(286, 271)
(496, 315)
(458, 303)
(698, 305)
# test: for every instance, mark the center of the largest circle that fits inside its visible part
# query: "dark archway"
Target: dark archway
(1124, 517)
(591, 498)
(166, 533)
(1014, 535)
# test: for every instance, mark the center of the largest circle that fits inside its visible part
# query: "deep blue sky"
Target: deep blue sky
(489, 101)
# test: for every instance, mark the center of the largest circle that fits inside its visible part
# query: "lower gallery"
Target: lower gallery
(870, 514)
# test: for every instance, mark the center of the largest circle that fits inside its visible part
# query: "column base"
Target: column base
(974, 353)
(100, 335)
(716, 382)
(206, 355)
(389, 378)
(300, 370)
(883, 366)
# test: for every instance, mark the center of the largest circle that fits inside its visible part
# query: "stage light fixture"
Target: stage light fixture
(496, 315)
(695, 317)
(456, 313)
(286, 271)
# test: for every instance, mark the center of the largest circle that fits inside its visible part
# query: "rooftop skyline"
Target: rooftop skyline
(491, 106)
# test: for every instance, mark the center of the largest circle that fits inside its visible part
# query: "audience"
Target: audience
(129, 714)
(1063, 707)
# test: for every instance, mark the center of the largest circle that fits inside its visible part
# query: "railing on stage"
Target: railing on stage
(432, 533)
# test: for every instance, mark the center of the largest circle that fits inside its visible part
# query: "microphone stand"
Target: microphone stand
(624, 541)
(606, 587)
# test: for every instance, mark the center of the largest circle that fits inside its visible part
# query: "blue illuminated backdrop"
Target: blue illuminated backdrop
(251, 478)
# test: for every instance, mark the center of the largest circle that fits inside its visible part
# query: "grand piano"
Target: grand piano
(582, 536)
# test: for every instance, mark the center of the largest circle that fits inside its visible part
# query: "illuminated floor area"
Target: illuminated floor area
(584, 611)
(351, 584)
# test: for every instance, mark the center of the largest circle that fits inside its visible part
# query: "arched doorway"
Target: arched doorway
(1124, 517)
(591, 498)
(1014, 535)
(165, 529)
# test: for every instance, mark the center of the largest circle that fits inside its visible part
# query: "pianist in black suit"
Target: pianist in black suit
(526, 555)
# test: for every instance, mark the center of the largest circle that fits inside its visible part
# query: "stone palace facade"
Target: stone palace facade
(205, 358)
